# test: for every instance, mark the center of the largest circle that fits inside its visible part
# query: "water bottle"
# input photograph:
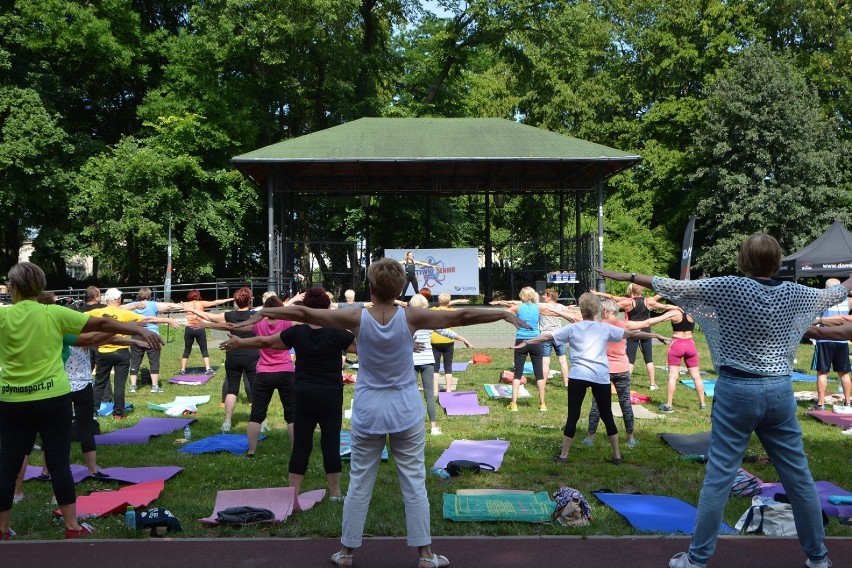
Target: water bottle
(130, 518)
(187, 433)
(440, 472)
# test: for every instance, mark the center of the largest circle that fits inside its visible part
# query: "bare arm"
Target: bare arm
(834, 320)
(637, 334)
(836, 333)
(340, 319)
(546, 336)
(642, 279)
(419, 318)
(214, 303)
(459, 301)
(257, 342)
(216, 318)
(152, 339)
(637, 325)
(167, 321)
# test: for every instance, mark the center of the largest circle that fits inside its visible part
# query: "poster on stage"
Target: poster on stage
(453, 270)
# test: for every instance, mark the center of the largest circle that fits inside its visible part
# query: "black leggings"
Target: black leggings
(265, 385)
(646, 345)
(323, 407)
(237, 364)
(534, 350)
(443, 351)
(84, 411)
(410, 278)
(19, 424)
(192, 335)
(622, 387)
(576, 394)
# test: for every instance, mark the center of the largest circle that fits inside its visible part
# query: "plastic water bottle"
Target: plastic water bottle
(187, 433)
(130, 518)
(440, 472)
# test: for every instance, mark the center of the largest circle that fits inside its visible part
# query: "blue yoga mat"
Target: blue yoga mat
(106, 408)
(346, 446)
(709, 385)
(656, 513)
(802, 377)
(234, 443)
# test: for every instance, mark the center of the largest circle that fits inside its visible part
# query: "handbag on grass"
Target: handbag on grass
(458, 467)
(767, 516)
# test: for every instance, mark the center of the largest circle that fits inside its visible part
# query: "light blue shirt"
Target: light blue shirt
(588, 340)
(149, 311)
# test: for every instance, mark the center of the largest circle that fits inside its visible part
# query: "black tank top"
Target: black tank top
(410, 268)
(640, 311)
(237, 316)
(683, 325)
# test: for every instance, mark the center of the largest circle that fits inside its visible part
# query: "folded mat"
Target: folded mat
(457, 367)
(825, 489)
(505, 391)
(282, 501)
(688, 444)
(461, 403)
(535, 508)
(842, 420)
(181, 401)
(234, 443)
(656, 513)
(346, 446)
(101, 503)
(106, 408)
(638, 411)
(482, 451)
(143, 430)
(78, 472)
(140, 474)
(190, 379)
(709, 385)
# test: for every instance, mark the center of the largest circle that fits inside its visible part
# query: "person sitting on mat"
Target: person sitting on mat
(387, 404)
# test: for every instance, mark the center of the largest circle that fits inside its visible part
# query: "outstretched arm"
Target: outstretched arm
(637, 325)
(641, 279)
(215, 318)
(546, 336)
(419, 318)
(153, 340)
(340, 319)
(837, 333)
(258, 342)
(636, 334)
(167, 321)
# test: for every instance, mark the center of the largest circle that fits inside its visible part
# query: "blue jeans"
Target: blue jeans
(766, 407)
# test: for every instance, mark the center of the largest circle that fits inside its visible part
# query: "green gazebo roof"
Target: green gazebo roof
(440, 155)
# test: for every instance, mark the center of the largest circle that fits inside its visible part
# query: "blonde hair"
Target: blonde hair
(528, 295)
(590, 306)
(28, 279)
(760, 255)
(635, 290)
(418, 301)
(386, 278)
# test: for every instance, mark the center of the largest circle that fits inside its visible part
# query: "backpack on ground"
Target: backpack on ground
(572, 509)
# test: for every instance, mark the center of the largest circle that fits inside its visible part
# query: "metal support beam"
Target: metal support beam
(270, 241)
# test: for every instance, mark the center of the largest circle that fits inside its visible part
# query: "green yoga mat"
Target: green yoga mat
(528, 508)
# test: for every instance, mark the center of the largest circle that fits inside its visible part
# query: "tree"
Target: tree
(766, 160)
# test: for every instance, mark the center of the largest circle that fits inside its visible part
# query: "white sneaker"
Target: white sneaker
(847, 432)
(682, 560)
(653, 387)
(226, 426)
(436, 431)
(824, 563)
(132, 389)
(264, 427)
(157, 389)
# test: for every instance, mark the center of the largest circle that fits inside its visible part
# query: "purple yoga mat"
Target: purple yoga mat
(461, 403)
(825, 489)
(78, 472)
(829, 417)
(190, 379)
(483, 451)
(457, 367)
(141, 474)
(143, 430)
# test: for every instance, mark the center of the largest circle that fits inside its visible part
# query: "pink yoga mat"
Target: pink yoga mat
(280, 500)
(105, 502)
(78, 472)
(483, 451)
(461, 403)
(190, 379)
(829, 417)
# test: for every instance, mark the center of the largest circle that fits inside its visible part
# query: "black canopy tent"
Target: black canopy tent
(829, 255)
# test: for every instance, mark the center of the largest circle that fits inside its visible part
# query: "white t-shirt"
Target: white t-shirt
(587, 340)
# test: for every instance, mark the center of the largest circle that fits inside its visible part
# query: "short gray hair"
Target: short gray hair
(610, 306)
(28, 279)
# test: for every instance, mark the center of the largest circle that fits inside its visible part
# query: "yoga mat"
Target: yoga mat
(655, 513)
(236, 444)
(709, 385)
(78, 472)
(825, 489)
(282, 501)
(494, 492)
(505, 391)
(142, 431)
(101, 503)
(829, 417)
(638, 412)
(106, 408)
(483, 451)
(688, 444)
(190, 379)
(181, 401)
(461, 403)
(141, 474)
(535, 508)
(346, 446)
(457, 367)
(802, 377)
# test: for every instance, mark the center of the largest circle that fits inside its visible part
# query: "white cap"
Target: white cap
(112, 294)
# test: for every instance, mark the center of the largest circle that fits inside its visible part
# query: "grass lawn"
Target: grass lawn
(651, 467)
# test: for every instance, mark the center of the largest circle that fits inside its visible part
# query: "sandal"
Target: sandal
(437, 561)
(342, 560)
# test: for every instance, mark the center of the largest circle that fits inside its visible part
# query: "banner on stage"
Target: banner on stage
(455, 270)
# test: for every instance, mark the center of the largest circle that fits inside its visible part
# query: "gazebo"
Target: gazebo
(435, 157)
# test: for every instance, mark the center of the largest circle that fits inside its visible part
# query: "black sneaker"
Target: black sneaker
(818, 407)
(558, 459)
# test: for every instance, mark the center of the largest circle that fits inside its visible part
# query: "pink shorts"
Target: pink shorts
(683, 349)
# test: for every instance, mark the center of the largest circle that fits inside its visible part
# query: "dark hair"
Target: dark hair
(316, 298)
(273, 301)
(387, 279)
(760, 255)
(144, 293)
(193, 295)
(426, 293)
(46, 298)
(243, 297)
(92, 293)
(28, 279)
